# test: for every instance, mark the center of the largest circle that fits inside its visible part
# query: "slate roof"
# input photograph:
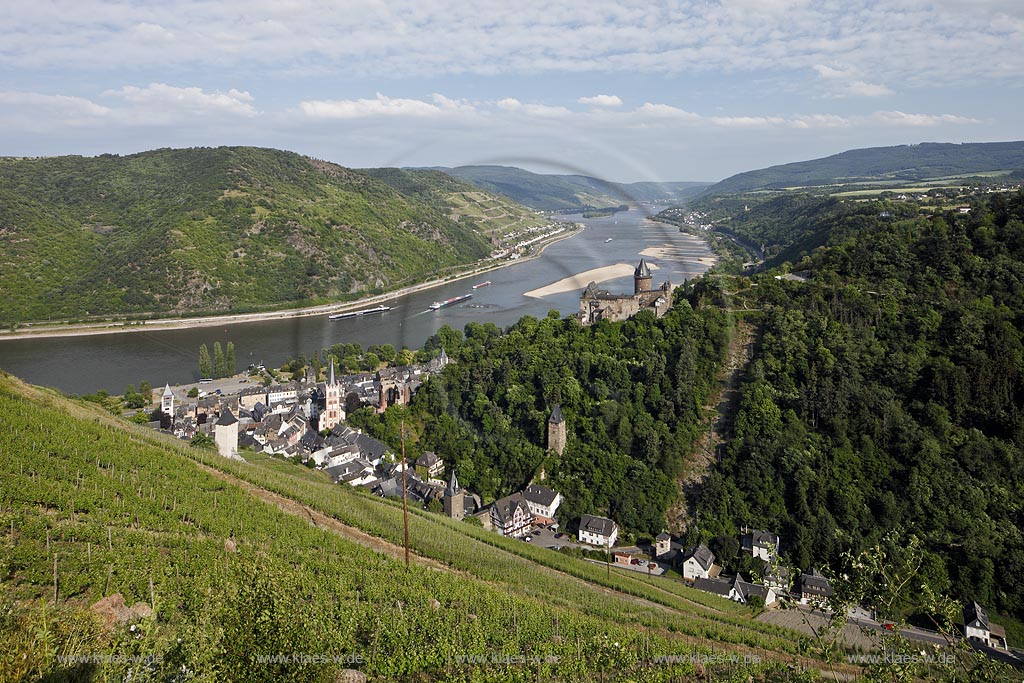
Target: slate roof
(597, 525)
(428, 459)
(642, 269)
(505, 508)
(226, 419)
(716, 586)
(815, 584)
(662, 537)
(759, 539)
(556, 414)
(703, 555)
(975, 616)
(541, 495)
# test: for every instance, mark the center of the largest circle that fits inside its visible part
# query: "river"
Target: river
(85, 364)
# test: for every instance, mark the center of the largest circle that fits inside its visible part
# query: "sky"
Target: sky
(624, 90)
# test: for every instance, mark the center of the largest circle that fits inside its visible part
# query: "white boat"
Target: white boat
(608, 240)
(438, 305)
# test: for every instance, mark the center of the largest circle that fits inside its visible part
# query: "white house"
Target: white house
(511, 516)
(283, 393)
(978, 627)
(543, 502)
(698, 562)
(761, 544)
(598, 531)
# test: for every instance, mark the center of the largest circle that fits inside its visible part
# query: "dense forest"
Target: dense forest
(632, 394)
(887, 393)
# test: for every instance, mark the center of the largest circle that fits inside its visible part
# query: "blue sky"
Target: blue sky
(619, 89)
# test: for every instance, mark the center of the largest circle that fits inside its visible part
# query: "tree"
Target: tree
(218, 360)
(193, 392)
(229, 360)
(205, 364)
(201, 440)
(146, 389)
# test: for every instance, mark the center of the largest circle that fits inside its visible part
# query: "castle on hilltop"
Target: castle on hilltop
(600, 304)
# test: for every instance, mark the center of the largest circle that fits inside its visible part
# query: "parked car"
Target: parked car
(559, 535)
(528, 539)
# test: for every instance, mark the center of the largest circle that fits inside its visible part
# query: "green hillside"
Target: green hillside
(887, 390)
(202, 230)
(882, 164)
(244, 561)
(551, 192)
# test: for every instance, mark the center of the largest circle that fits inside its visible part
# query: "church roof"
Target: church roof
(167, 390)
(453, 486)
(642, 269)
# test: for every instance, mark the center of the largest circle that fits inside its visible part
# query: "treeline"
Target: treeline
(888, 394)
(632, 395)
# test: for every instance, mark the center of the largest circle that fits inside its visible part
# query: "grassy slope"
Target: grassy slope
(210, 230)
(73, 475)
(906, 162)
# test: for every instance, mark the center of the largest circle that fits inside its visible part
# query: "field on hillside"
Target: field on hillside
(92, 507)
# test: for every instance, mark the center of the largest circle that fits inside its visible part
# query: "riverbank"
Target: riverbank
(45, 330)
(580, 280)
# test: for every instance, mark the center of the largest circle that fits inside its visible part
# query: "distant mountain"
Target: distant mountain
(904, 162)
(550, 192)
(227, 228)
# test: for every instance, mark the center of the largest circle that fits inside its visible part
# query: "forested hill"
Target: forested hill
(214, 229)
(552, 192)
(903, 162)
(887, 395)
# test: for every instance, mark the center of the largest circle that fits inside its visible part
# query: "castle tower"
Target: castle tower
(334, 405)
(454, 500)
(556, 430)
(167, 401)
(225, 434)
(642, 278)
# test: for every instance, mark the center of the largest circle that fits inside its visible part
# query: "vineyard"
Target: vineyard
(242, 590)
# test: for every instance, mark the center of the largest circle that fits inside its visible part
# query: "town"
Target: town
(303, 421)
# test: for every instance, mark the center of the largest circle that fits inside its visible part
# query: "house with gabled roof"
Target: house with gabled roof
(511, 516)
(543, 502)
(599, 531)
(763, 545)
(812, 589)
(978, 627)
(698, 563)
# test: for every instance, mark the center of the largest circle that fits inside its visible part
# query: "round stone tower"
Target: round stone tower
(642, 278)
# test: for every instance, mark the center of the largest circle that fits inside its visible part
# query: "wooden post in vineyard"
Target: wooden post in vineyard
(405, 497)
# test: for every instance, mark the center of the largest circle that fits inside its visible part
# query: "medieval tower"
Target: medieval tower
(556, 430)
(642, 278)
(454, 500)
(334, 406)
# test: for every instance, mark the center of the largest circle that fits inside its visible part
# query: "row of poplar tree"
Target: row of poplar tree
(221, 365)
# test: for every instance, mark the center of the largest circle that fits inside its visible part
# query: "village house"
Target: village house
(429, 466)
(698, 563)
(737, 589)
(510, 516)
(543, 502)
(977, 627)
(599, 531)
(763, 545)
(812, 589)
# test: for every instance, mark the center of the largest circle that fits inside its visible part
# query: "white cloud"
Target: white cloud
(899, 118)
(847, 81)
(602, 100)
(381, 105)
(170, 102)
(542, 111)
(921, 42)
(64, 107)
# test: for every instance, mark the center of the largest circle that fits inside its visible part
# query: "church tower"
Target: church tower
(454, 500)
(642, 278)
(556, 430)
(167, 401)
(334, 406)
